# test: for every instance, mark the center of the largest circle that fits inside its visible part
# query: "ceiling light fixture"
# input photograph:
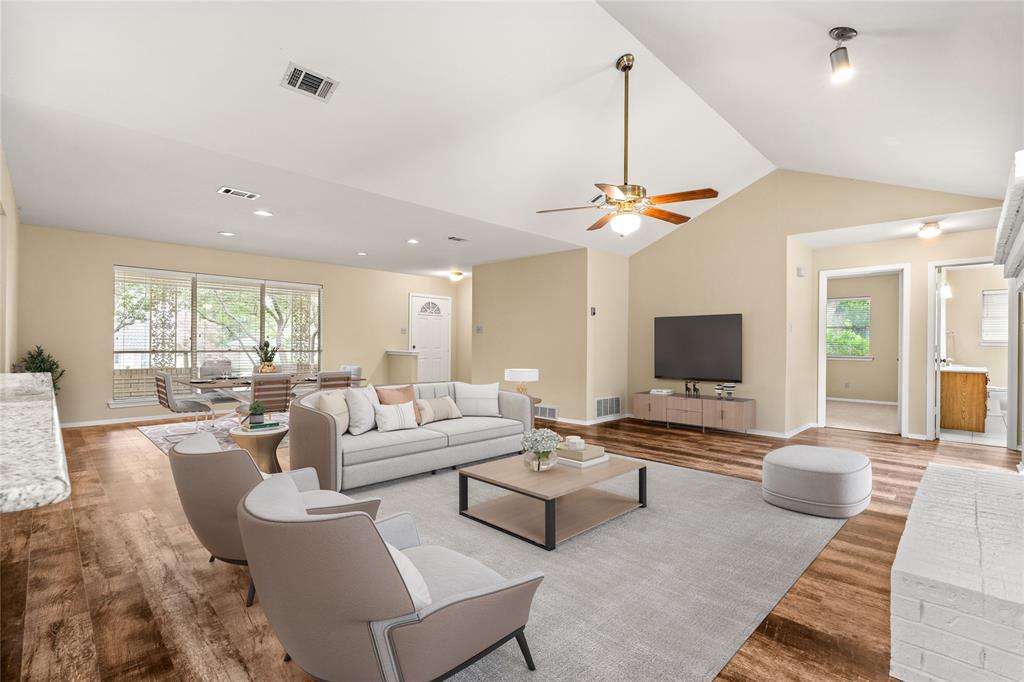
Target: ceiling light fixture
(455, 276)
(929, 231)
(412, 241)
(360, 253)
(839, 58)
(226, 234)
(626, 223)
(263, 213)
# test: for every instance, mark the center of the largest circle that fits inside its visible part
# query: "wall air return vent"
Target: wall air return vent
(309, 83)
(545, 412)
(240, 193)
(607, 407)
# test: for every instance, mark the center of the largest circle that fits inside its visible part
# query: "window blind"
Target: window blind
(995, 317)
(191, 325)
(848, 327)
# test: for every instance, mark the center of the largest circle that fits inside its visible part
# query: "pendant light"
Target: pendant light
(839, 58)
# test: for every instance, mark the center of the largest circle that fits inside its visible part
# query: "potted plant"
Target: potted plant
(38, 360)
(266, 354)
(539, 446)
(256, 411)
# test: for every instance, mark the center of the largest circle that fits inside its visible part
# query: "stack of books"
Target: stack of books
(591, 455)
(262, 426)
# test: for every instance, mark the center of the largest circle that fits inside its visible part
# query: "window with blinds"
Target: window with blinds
(204, 325)
(995, 317)
(848, 327)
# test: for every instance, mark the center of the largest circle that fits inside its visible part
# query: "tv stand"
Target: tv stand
(707, 412)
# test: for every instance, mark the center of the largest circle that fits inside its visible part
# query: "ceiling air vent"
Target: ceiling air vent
(240, 193)
(457, 239)
(300, 79)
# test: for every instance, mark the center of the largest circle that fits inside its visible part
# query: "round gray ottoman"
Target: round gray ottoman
(819, 481)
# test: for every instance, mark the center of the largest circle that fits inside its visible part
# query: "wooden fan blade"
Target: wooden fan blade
(611, 191)
(572, 208)
(667, 216)
(690, 195)
(601, 222)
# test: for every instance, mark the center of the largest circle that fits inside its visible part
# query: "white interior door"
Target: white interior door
(430, 335)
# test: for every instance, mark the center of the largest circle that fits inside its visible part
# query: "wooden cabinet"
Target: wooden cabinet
(964, 401)
(706, 411)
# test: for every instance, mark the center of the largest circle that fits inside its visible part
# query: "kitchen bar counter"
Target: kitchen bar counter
(33, 467)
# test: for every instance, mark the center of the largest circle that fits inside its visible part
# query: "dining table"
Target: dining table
(238, 387)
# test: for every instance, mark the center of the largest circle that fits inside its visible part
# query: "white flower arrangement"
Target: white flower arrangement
(541, 442)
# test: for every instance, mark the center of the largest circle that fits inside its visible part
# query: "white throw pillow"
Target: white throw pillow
(395, 417)
(361, 402)
(334, 403)
(414, 581)
(477, 400)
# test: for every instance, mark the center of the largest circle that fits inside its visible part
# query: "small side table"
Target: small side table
(262, 445)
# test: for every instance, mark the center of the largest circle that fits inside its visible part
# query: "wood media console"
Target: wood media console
(707, 412)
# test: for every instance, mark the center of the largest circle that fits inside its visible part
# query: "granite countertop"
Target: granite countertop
(33, 467)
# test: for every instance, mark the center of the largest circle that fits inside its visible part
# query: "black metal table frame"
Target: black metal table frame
(549, 507)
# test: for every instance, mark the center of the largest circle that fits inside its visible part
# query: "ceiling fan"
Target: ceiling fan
(628, 202)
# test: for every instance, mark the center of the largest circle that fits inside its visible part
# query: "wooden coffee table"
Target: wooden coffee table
(549, 507)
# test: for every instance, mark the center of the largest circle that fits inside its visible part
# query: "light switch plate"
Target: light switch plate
(404, 331)
(479, 329)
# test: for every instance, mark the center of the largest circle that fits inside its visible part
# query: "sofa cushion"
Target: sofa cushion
(477, 400)
(448, 573)
(399, 396)
(438, 409)
(376, 445)
(475, 429)
(360, 409)
(334, 404)
(413, 578)
(434, 390)
(395, 417)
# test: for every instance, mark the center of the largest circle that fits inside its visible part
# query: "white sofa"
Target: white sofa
(344, 461)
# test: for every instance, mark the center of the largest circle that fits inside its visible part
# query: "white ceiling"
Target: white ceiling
(465, 118)
(983, 219)
(449, 118)
(937, 100)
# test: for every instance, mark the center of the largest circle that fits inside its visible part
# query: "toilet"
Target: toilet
(998, 402)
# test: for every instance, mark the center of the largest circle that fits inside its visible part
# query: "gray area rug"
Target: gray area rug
(164, 436)
(669, 592)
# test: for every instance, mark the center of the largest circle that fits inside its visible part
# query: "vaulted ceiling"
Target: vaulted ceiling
(465, 118)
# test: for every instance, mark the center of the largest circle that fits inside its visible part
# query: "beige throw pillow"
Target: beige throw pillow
(436, 409)
(395, 417)
(334, 403)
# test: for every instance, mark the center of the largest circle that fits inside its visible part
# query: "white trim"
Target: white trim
(785, 435)
(129, 420)
(408, 330)
(858, 400)
(589, 422)
(918, 436)
(862, 358)
(903, 361)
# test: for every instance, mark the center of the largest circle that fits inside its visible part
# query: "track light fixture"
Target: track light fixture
(839, 58)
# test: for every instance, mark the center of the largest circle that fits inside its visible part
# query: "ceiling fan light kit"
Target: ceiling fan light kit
(626, 203)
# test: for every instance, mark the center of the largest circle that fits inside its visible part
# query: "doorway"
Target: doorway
(970, 347)
(862, 331)
(430, 335)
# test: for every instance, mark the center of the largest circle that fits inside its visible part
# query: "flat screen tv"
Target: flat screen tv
(701, 347)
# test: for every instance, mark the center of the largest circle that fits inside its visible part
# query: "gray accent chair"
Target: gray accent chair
(339, 605)
(191, 405)
(344, 461)
(211, 482)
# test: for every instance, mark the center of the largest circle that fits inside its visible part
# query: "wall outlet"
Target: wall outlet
(593, 311)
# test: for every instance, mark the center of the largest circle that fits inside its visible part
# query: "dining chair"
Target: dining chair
(215, 368)
(274, 391)
(329, 380)
(192, 405)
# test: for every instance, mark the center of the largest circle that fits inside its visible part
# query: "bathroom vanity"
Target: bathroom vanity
(964, 398)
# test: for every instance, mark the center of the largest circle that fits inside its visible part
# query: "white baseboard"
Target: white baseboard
(916, 436)
(128, 420)
(786, 434)
(590, 422)
(858, 400)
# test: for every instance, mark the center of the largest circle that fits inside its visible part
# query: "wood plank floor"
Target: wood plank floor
(111, 584)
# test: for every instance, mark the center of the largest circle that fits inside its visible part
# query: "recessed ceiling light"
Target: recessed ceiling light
(929, 231)
(360, 253)
(226, 234)
(455, 276)
(263, 213)
(412, 241)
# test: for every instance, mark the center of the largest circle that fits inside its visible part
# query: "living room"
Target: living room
(341, 341)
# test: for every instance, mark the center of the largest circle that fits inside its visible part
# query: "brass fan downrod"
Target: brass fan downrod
(624, 64)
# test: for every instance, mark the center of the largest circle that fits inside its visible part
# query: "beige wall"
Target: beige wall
(917, 252)
(734, 259)
(963, 318)
(608, 331)
(463, 311)
(876, 379)
(533, 313)
(66, 305)
(9, 232)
